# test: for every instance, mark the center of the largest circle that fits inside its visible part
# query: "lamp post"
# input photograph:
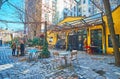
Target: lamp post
(45, 52)
(45, 31)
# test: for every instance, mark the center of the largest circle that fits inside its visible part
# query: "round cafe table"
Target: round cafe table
(32, 53)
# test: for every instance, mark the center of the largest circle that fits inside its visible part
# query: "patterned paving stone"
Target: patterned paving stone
(88, 67)
(5, 56)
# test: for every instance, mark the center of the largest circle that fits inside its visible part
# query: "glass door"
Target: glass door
(96, 39)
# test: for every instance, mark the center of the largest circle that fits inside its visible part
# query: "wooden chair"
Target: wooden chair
(52, 63)
(73, 56)
(56, 59)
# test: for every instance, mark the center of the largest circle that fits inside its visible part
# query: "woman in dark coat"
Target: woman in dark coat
(22, 48)
(13, 49)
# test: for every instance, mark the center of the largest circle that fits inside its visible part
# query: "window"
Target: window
(89, 9)
(34, 33)
(80, 10)
(74, 9)
(65, 15)
(79, 2)
(110, 42)
(84, 1)
(51, 39)
(96, 37)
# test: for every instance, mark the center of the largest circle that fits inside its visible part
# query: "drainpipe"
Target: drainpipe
(104, 34)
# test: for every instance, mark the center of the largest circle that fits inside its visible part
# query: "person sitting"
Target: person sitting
(86, 47)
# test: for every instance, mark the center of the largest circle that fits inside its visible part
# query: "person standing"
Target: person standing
(85, 42)
(22, 48)
(18, 50)
(13, 48)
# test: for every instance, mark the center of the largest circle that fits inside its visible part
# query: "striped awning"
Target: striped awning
(69, 19)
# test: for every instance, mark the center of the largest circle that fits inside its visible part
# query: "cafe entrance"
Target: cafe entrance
(96, 40)
(72, 41)
(82, 34)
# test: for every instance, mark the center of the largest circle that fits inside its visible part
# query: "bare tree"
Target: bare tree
(1, 2)
(29, 19)
(112, 32)
(21, 16)
(19, 12)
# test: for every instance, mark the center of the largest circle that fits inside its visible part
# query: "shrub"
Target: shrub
(36, 41)
(45, 52)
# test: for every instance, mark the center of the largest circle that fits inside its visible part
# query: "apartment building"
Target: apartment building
(37, 12)
(6, 35)
(66, 8)
(91, 7)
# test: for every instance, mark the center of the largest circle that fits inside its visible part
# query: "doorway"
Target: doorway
(96, 39)
(72, 42)
(82, 34)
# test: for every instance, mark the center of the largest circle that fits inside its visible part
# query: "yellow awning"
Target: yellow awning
(69, 19)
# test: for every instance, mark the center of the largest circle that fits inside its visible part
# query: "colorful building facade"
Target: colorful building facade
(97, 33)
(6, 36)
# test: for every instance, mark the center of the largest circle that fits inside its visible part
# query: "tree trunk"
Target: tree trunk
(0, 3)
(112, 32)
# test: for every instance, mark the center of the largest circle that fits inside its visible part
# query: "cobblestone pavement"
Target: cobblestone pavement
(5, 56)
(88, 67)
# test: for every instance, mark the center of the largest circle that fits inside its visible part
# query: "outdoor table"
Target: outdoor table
(64, 55)
(93, 48)
(32, 53)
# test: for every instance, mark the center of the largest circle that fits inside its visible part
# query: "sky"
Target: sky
(9, 13)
